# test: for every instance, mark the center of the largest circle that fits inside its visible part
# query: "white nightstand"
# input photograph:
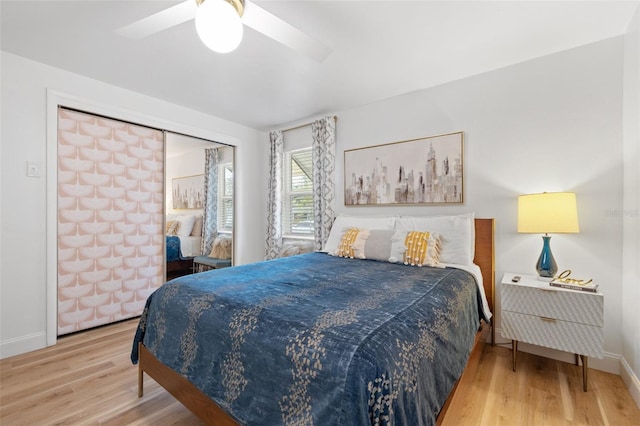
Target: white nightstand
(568, 320)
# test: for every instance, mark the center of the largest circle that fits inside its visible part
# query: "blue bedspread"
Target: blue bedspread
(317, 339)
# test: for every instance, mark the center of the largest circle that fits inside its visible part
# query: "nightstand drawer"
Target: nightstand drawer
(566, 305)
(567, 336)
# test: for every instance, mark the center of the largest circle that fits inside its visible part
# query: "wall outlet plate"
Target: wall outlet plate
(33, 169)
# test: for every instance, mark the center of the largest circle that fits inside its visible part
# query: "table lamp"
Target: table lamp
(549, 212)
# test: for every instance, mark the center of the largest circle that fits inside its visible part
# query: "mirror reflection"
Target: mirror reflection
(199, 205)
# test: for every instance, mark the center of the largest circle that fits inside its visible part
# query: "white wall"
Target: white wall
(630, 213)
(549, 124)
(24, 107)
(181, 163)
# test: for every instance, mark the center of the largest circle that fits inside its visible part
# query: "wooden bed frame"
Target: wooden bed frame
(207, 410)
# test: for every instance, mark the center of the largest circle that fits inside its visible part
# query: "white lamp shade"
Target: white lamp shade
(549, 212)
(219, 26)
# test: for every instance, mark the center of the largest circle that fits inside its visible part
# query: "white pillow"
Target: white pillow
(457, 234)
(342, 223)
(377, 246)
(197, 227)
(186, 225)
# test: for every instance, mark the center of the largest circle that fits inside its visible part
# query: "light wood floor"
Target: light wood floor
(88, 379)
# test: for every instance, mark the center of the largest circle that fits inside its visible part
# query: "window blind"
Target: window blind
(298, 214)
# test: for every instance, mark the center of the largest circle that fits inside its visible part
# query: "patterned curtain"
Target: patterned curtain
(210, 211)
(324, 164)
(274, 203)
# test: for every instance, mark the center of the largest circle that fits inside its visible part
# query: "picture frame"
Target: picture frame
(423, 171)
(188, 192)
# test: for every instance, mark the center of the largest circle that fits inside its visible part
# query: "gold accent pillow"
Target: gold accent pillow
(172, 227)
(352, 242)
(416, 248)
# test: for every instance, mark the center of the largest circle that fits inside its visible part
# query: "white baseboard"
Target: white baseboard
(631, 380)
(22, 344)
(610, 363)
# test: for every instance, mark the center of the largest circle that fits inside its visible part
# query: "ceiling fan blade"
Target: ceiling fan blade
(167, 18)
(281, 31)
(254, 17)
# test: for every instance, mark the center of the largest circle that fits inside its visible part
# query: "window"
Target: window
(225, 197)
(298, 193)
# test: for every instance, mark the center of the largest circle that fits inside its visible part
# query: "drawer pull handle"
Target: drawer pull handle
(547, 319)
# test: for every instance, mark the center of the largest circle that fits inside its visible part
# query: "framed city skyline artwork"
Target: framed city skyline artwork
(417, 171)
(188, 192)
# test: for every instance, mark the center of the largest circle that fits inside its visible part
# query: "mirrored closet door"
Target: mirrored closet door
(199, 205)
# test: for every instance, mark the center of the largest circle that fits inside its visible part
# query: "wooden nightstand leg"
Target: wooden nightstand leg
(585, 371)
(514, 350)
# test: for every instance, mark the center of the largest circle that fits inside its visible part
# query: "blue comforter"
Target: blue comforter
(317, 339)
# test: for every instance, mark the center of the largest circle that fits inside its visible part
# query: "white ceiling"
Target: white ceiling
(379, 49)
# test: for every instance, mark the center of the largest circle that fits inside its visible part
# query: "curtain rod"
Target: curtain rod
(303, 125)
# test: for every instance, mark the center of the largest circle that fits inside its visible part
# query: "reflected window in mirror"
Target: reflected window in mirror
(225, 198)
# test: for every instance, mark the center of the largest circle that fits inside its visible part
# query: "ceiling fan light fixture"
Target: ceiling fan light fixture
(219, 25)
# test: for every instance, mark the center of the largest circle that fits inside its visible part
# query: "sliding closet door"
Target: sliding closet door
(110, 219)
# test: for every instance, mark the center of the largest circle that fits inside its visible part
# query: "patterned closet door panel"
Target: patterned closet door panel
(110, 219)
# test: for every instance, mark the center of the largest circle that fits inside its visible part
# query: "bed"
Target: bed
(183, 243)
(318, 339)
(181, 251)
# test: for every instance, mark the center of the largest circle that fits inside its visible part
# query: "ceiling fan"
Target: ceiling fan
(252, 16)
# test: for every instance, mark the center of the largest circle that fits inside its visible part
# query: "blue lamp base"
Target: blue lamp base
(546, 266)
